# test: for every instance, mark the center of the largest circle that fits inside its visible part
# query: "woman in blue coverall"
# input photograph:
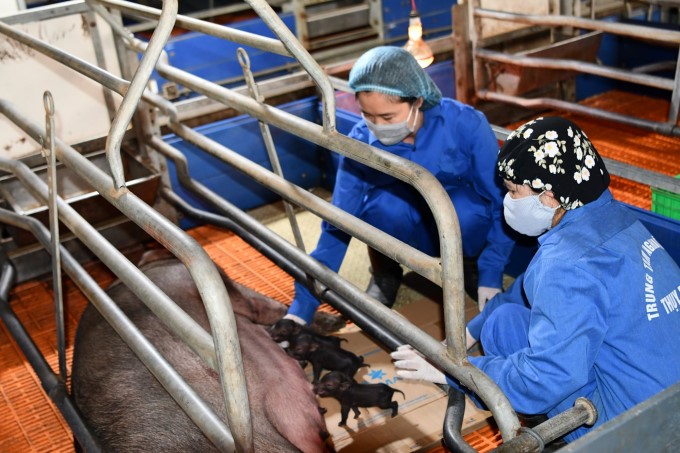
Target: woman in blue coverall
(597, 312)
(404, 113)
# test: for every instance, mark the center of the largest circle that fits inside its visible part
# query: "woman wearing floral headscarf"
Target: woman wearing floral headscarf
(597, 312)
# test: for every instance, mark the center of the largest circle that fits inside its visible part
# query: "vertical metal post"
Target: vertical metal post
(48, 151)
(675, 97)
(131, 99)
(244, 61)
(91, 24)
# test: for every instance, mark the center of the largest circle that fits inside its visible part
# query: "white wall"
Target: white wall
(25, 74)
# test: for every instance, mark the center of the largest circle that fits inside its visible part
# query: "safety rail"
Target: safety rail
(54, 385)
(448, 274)
(211, 288)
(453, 358)
(475, 14)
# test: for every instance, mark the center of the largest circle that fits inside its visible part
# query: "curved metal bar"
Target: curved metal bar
(210, 285)
(137, 85)
(454, 360)
(542, 103)
(209, 28)
(185, 396)
(267, 14)
(453, 422)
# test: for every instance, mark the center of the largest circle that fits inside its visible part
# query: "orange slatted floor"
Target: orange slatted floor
(632, 145)
(30, 423)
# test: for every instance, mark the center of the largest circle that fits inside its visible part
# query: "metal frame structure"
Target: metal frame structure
(445, 271)
(473, 14)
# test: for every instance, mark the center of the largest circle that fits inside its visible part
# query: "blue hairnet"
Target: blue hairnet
(394, 71)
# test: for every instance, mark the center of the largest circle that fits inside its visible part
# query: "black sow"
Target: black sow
(129, 410)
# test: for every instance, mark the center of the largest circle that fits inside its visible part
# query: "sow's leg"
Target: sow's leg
(130, 411)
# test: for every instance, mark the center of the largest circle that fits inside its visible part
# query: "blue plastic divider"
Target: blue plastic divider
(302, 161)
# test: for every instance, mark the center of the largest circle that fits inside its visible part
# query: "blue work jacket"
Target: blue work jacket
(604, 323)
(457, 145)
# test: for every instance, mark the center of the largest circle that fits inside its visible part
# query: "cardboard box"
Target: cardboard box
(419, 422)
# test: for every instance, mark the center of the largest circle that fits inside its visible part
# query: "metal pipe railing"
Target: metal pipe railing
(48, 153)
(209, 283)
(116, 84)
(53, 386)
(556, 20)
(287, 39)
(452, 359)
(633, 31)
(186, 397)
(133, 95)
(548, 103)
(580, 66)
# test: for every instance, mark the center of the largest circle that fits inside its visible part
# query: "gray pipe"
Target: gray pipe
(202, 269)
(634, 31)
(547, 103)
(134, 93)
(440, 204)
(183, 394)
(580, 66)
(534, 440)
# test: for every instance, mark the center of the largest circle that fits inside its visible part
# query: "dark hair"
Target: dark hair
(410, 100)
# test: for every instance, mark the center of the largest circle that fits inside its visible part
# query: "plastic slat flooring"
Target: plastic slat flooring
(628, 144)
(31, 423)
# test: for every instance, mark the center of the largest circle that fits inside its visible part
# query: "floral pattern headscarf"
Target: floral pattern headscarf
(552, 153)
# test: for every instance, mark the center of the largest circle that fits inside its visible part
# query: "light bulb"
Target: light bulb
(415, 45)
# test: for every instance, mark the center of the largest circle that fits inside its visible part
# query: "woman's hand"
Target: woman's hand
(411, 364)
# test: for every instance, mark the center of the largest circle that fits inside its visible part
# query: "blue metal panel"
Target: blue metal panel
(215, 59)
(664, 229)
(435, 15)
(301, 160)
(442, 74)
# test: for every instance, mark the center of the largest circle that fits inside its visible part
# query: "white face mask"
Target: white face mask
(390, 134)
(528, 215)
